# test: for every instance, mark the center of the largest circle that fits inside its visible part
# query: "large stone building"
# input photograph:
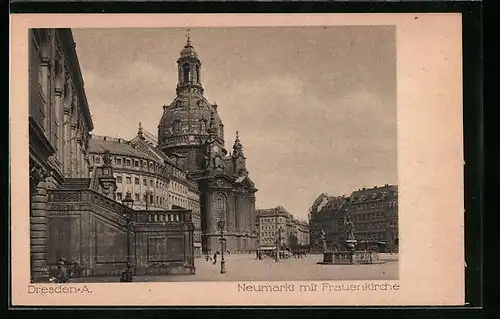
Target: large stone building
(59, 127)
(278, 226)
(154, 180)
(191, 130)
(301, 231)
(75, 215)
(373, 212)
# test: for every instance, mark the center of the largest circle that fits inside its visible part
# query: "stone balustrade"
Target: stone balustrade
(161, 217)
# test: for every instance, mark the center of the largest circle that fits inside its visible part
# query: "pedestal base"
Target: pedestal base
(356, 257)
(327, 259)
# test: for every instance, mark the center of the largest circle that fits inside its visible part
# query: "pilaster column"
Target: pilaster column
(252, 211)
(67, 142)
(79, 158)
(230, 213)
(86, 165)
(38, 223)
(73, 151)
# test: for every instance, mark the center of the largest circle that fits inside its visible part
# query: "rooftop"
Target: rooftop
(134, 148)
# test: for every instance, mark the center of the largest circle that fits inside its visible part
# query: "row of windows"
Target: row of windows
(272, 219)
(128, 180)
(371, 236)
(157, 200)
(159, 184)
(365, 216)
(371, 225)
(270, 226)
(391, 203)
(127, 162)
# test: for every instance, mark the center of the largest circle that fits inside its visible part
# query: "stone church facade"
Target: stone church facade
(191, 130)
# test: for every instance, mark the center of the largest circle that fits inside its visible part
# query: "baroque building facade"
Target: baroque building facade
(59, 129)
(373, 212)
(154, 180)
(191, 131)
(74, 213)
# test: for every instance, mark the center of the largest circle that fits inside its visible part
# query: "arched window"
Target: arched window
(203, 126)
(220, 207)
(198, 74)
(177, 127)
(185, 72)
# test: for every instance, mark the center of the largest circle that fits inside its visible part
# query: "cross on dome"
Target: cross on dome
(188, 37)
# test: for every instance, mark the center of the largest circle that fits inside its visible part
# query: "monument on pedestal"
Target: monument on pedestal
(327, 255)
(349, 255)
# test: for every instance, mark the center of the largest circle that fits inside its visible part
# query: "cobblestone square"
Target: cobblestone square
(244, 267)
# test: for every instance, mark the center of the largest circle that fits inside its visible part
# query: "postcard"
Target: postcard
(236, 159)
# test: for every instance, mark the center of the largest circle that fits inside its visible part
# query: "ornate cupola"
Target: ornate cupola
(237, 147)
(189, 66)
(189, 120)
(239, 159)
(140, 132)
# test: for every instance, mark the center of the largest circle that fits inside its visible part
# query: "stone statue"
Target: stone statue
(349, 228)
(323, 240)
(218, 163)
(106, 158)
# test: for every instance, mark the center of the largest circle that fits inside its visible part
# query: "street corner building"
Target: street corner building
(373, 211)
(103, 203)
(279, 228)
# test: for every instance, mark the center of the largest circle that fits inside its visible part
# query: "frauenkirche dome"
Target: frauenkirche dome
(186, 120)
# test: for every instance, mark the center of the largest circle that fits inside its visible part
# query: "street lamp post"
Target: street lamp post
(276, 237)
(392, 226)
(127, 275)
(221, 225)
(257, 242)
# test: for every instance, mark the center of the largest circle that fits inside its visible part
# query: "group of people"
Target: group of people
(208, 256)
(283, 254)
(64, 271)
(299, 254)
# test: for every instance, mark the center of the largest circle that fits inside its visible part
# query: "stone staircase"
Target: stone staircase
(75, 184)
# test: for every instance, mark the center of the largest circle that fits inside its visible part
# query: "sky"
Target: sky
(315, 107)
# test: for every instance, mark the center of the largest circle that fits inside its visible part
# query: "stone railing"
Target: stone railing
(86, 196)
(89, 196)
(366, 257)
(161, 217)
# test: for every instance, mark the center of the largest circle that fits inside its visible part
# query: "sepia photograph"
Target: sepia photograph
(213, 154)
(236, 159)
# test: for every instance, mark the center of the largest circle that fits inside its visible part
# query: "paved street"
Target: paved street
(247, 268)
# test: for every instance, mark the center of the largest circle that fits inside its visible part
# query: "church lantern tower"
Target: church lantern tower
(239, 159)
(184, 126)
(191, 130)
(189, 67)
